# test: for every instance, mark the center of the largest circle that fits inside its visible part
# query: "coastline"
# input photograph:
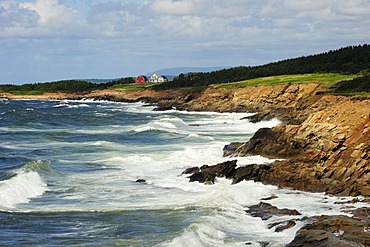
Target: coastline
(327, 137)
(323, 140)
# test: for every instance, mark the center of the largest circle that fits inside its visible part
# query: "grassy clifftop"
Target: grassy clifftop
(326, 79)
(347, 60)
(346, 64)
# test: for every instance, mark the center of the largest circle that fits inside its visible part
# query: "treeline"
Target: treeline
(64, 86)
(352, 60)
(357, 85)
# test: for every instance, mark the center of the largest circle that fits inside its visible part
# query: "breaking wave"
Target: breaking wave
(23, 185)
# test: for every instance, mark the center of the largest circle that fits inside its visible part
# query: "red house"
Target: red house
(141, 79)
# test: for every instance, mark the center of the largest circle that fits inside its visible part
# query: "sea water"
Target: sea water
(68, 172)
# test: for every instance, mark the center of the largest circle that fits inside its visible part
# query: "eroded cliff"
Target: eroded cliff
(324, 139)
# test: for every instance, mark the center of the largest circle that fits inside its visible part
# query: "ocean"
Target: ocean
(68, 172)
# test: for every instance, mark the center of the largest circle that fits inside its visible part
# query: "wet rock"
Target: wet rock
(332, 231)
(191, 170)
(282, 226)
(264, 244)
(269, 198)
(207, 174)
(250, 172)
(203, 177)
(232, 149)
(362, 214)
(265, 211)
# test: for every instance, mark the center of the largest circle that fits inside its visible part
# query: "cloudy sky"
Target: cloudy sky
(47, 40)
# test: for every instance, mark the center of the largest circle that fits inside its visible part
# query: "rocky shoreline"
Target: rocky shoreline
(323, 141)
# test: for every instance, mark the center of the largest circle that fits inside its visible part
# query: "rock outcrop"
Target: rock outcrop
(328, 152)
(333, 231)
(228, 169)
(324, 139)
(324, 142)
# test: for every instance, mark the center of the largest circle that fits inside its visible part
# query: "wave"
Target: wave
(36, 166)
(23, 184)
(66, 105)
(20, 188)
(165, 124)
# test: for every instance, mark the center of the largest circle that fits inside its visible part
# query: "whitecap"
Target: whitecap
(20, 189)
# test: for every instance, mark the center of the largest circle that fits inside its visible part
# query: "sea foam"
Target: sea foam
(20, 189)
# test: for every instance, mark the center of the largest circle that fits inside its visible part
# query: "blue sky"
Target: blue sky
(48, 40)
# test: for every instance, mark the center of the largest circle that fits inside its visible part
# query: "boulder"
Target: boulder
(207, 174)
(333, 231)
(265, 211)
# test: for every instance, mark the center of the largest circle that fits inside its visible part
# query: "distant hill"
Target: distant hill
(178, 70)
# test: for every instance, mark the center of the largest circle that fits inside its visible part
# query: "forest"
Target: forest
(64, 86)
(351, 60)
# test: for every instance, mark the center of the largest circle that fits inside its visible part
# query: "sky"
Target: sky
(49, 40)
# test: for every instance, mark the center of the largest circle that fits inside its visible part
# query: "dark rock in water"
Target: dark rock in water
(269, 198)
(264, 244)
(207, 174)
(225, 169)
(250, 172)
(163, 107)
(266, 211)
(140, 181)
(281, 226)
(260, 116)
(191, 170)
(202, 177)
(333, 231)
(232, 148)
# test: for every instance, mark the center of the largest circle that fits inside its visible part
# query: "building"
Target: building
(157, 78)
(141, 79)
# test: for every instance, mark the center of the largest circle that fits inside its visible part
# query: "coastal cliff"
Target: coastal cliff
(322, 145)
(324, 140)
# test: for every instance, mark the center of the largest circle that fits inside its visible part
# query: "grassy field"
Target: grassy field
(29, 92)
(326, 79)
(132, 87)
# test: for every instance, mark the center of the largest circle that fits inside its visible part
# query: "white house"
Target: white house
(157, 78)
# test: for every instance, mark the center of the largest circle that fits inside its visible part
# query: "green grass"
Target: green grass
(28, 92)
(132, 87)
(326, 79)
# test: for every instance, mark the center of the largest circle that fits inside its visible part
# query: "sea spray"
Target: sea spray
(91, 157)
(20, 189)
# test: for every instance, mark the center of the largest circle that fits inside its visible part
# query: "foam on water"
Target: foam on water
(20, 189)
(99, 163)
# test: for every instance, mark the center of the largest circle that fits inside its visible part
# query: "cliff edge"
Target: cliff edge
(324, 140)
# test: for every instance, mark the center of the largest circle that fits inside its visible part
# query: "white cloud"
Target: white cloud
(51, 11)
(178, 7)
(180, 32)
(38, 18)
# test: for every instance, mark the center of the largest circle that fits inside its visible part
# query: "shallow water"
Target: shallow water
(68, 172)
